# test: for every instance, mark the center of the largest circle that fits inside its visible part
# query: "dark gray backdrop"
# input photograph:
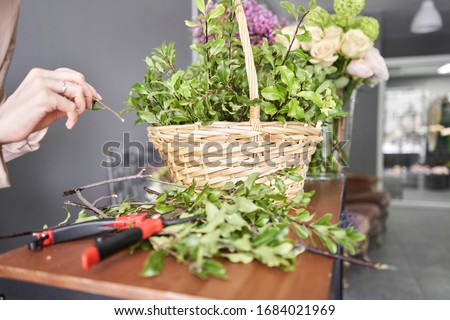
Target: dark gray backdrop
(107, 41)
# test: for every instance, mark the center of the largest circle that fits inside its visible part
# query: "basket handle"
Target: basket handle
(249, 62)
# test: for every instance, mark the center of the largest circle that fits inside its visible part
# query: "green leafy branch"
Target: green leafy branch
(241, 222)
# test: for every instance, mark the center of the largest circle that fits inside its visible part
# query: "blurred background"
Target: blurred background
(394, 136)
(107, 41)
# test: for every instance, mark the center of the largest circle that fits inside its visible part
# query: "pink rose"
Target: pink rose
(360, 68)
(377, 64)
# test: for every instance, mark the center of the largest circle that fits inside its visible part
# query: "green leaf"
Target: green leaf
(312, 96)
(154, 264)
(274, 93)
(312, 5)
(250, 181)
(236, 220)
(223, 71)
(212, 268)
(268, 108)
(342, 82)
(217, 11)
(191, 24)
(214, 216)
(339, 233)
(290, 7)
(287, 76)
(148, 117)
(216, 46)
(323, 221)
(164, 208)
(266, 237)
(295, 111)
(279, 183)
(283, 249)
(67, 217)
(243, 244)
(304, 216)
(304, 37)
(267, 256)
(281, 119)
(302, 231)
(239, 257)
(325, 85)
(201, 5)
(328, 243)
(356, 236)
(245, 205)
(160, 198)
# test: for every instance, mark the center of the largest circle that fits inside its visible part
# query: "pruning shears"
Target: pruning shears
(133, 229)
(84, 229)
(107, 247)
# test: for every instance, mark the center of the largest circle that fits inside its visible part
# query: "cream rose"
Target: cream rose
(290, 31)
(316, 35)
(323, 53)
(355, 44)
(334, 34)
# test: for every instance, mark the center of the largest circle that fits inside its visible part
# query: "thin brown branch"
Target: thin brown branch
(140, 175)
(360, 262)
(151, 191)
(293, 38)
(103, 198)
(98, 212)
(133, 203)
(109, 109)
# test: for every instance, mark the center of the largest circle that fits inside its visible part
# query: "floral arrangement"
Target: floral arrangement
(215, 87)
(344, 40)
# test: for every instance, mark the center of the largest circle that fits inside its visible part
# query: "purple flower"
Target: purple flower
(261, 23)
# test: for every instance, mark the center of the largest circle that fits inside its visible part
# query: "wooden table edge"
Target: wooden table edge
(87, 285)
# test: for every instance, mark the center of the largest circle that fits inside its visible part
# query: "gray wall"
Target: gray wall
(107, 41)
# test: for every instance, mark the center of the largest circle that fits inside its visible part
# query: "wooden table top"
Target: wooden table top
(118, 276)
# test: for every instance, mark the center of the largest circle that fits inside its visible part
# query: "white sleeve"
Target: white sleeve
(16, 149)
(4, 180)
(11, 151)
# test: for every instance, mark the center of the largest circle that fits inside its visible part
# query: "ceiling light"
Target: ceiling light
(444, 69)
(427, 19)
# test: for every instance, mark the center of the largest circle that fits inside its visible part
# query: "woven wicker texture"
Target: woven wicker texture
(231, 151)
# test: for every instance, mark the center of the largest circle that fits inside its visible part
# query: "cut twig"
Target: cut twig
(103, 198)
(140, 175)
(134, 203)
(363, 263)
(98, 212)
(109, 109)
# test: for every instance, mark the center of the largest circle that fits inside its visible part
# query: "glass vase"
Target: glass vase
(333, 153)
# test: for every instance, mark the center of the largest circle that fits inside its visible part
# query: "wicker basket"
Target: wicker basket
(231, 151)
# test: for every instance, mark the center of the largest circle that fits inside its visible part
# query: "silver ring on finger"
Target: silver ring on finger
(63, 88)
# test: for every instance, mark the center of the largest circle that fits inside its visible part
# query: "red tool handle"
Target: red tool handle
(110, 246)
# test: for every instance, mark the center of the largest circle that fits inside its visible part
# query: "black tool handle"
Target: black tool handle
(114, 244)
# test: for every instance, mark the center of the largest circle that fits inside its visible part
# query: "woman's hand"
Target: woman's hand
(43, 97)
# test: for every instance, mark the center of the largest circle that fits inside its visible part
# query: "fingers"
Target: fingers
(68, 107)
(69, 92)
(78, 78)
